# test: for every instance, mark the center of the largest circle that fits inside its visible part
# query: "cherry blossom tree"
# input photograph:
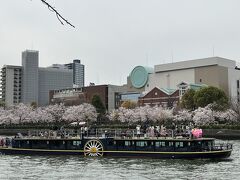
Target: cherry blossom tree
(81, 113)
(4, 116)
(41, 115)
(183, 117)
(56, 112)
(141, 114)
(226, 117)
(203, 116)
(21, 113)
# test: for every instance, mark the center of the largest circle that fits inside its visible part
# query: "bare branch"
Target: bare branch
(59, 16)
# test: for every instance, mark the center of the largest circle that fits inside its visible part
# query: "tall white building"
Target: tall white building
(213, 71)
(29, 83)
(11, 84)
(78, 72)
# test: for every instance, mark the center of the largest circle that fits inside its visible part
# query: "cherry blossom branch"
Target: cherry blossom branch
(59, 16)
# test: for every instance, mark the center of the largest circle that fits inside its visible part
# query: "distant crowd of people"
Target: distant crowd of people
(5, 142)
(162, 131)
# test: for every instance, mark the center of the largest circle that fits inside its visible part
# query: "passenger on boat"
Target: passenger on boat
(1, 142)
(128, 133)
(138, 128)
(151, 130)
(157, 131)
(163, 131)
(85, 131)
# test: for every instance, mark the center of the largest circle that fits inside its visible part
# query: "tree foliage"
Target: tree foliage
(187, 100)
(141, 114)
(129, 104)
(98, 104)
(210, 95)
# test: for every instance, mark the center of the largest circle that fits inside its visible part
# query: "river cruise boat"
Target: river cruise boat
(117, 146)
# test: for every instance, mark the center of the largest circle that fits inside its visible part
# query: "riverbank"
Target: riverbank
(215, 133)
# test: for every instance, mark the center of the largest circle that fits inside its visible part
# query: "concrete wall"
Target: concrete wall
(130, 87)
(195, 63)
(30, 76)
(233, 76)
(170, 79)
(213, 76)
(9, 86)
(111, 95)
(49, 79)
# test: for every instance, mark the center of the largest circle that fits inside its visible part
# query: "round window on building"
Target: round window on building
(139, 76)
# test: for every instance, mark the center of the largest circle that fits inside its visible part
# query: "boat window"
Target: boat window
(127, 143)
(178, 144)
(210, 143)
(110, 143)
(76, 143)
(160, 144)
(141, 143)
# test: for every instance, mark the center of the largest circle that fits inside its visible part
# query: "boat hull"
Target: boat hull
(147, 154)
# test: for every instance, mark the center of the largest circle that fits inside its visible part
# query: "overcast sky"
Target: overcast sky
(113, 36)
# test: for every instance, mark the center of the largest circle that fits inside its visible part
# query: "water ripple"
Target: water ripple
(74, 167)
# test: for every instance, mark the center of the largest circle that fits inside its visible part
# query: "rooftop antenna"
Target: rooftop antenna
(172, 55)
(97, 78)
(32, 45)
(120, 79)
(147, 59)
(213, 51)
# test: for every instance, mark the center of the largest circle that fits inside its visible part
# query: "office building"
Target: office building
(30, 83)
(78, 72)
(11, 84)
(76, 96)
(214, 71)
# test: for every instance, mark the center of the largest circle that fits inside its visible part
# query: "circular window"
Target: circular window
(139, 77)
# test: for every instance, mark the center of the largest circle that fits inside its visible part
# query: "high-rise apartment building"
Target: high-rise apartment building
(30, 83)
(30, 76)
(78, 72)
(11, 84)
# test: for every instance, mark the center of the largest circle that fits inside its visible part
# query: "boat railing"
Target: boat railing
(103, 133)
(132, 134)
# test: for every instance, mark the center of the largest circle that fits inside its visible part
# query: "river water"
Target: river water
(74, 167)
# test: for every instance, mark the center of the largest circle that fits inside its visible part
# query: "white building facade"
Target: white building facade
(213, 71)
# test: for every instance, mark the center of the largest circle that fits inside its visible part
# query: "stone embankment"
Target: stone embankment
(222, 133)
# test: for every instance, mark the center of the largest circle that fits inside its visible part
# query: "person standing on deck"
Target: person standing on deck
(138, 128)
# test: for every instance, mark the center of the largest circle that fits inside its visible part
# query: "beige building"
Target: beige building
(213, 71)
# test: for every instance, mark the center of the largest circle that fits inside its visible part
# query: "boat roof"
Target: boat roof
(120, 138)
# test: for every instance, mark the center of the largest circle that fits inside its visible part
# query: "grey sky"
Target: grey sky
(113, 36)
